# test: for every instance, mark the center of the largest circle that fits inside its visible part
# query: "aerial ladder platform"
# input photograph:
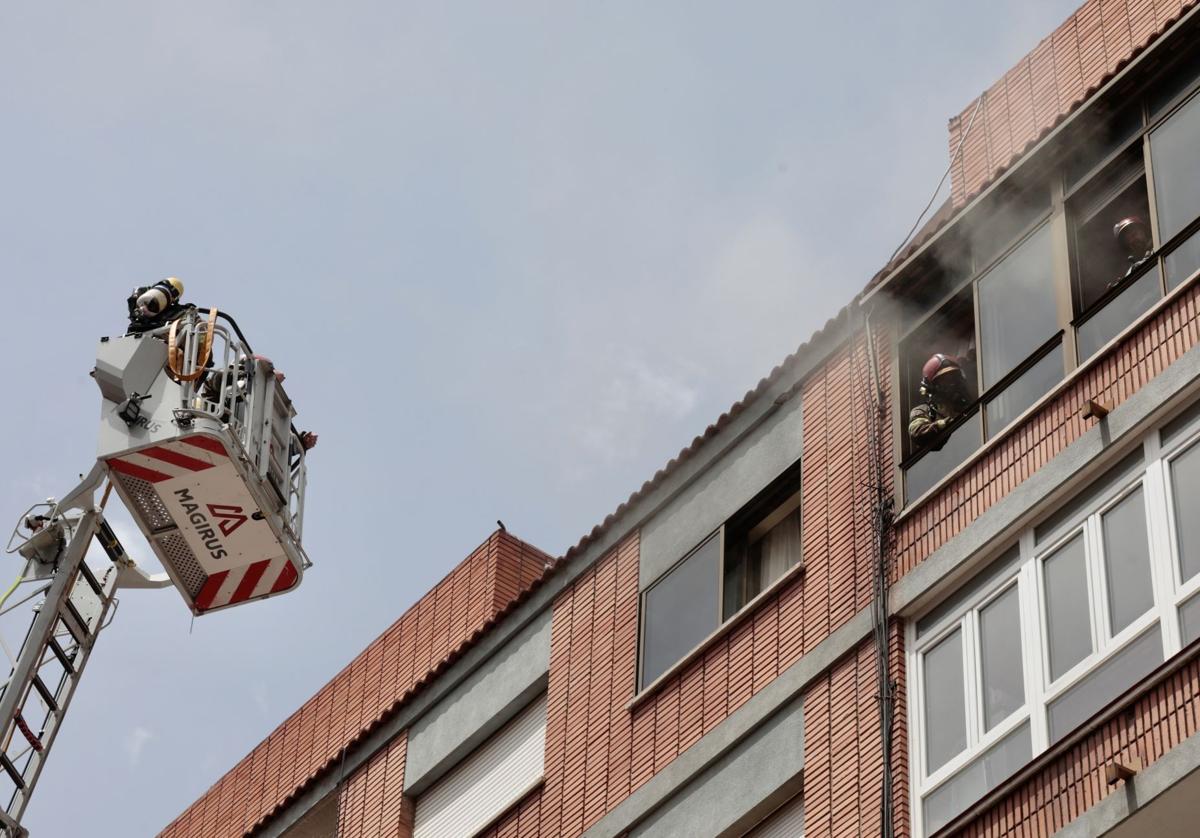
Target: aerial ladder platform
(197, 440)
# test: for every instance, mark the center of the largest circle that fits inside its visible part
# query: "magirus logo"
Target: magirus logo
(229, 517)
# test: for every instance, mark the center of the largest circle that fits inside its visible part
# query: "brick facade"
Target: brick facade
(603, 742)
(425, 639)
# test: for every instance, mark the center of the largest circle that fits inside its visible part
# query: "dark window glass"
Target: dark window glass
(1185, 486)
(1067, 613)
(1099, 262)
(1189, 618)
(927, 471)
(945, 702)
(1183, 261)
(1002, 218)
(1000, 651)
(1127, 561)
(1106, 682)
(1173, 83)
(1117, 313)
(1173, 146)
(1016, 307)
(1018, 396)
(1113, 131)
(986, 772)
(681, 609)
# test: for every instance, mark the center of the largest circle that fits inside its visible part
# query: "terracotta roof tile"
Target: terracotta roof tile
(425, 639)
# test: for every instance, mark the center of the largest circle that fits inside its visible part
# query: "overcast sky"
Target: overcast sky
(511, 256)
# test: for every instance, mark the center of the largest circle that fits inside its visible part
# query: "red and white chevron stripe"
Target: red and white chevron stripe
(170, 459)
(181, 458)
(228, 587)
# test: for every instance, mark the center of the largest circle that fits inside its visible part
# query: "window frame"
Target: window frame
(1026, 571)
(1064, 267)
(786, 489)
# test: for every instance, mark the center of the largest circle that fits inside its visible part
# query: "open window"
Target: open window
(1110, 284)
(719, 577)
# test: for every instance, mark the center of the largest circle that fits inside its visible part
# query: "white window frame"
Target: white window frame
(1169, 590)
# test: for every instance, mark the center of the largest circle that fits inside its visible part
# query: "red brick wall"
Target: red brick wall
(371, 803)
(521, 821)
(843, 757)
(1074, 782)
(396, 664)
(1050, 82)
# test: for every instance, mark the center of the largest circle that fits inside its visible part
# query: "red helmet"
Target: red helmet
(938, 365)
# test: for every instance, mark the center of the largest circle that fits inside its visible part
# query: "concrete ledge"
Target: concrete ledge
(742, 787)
(1158, 778)
(686, 767)
(1066, 473)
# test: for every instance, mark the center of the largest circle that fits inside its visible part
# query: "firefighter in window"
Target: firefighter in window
(1133, 235)
(946, 395)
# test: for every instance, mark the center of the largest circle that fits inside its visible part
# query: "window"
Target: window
(1082, 607)
(994, 290)
(785, 822)
(1177, 189)
(721, 575)
(488, 782)
(1010, 355)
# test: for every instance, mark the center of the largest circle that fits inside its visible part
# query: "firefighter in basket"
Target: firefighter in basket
(152, 306)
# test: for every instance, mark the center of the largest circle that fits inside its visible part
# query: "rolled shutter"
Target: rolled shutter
(786, 822)
(489, 781)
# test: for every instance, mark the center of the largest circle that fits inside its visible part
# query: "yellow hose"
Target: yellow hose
(11, 588)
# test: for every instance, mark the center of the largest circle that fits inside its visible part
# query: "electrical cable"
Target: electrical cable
(953, 159)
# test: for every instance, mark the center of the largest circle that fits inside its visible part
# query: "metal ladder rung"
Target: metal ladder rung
(61, 655)
(12, 771)
(45, 693)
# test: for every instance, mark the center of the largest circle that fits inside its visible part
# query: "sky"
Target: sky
(511, 256)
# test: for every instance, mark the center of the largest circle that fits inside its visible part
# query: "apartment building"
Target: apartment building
(808, 624)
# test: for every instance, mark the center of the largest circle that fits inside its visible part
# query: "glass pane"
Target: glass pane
(1000, 648)
(1113, 132)
(1118, 313)
(1099, 260)
(681, 610)
(1016, 307)
(945, 702)
(1106, 682)
(1106, 485)
(1189, 619)
(1004, 564)
(927, 471)
(995, 766)
(1183, 261)
(1176, 176)
(1185, 486)
(1017, 397)
(1178, 79)
(1067, 607)
(1127, 561)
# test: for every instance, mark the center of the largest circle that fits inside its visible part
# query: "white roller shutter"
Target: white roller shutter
(485, 784)
(786, 822)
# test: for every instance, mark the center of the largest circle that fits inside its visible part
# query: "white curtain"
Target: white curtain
(780, 548)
